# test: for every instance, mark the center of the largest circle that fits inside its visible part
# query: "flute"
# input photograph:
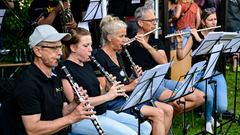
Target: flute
(106, 74)
(184, 33)
(133, 39)
(77, 90)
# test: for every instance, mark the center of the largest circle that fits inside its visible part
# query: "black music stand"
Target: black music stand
(234, 47)
(146, 87)
(215, 50)
(189, 81)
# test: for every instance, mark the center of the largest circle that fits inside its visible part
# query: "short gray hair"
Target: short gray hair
(110, 26)
(140, 12)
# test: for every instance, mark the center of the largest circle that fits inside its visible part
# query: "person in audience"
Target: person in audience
(208, 20)
(38, 105)
(147, 52)
(77, 53)
(187, 17)
(113, 36)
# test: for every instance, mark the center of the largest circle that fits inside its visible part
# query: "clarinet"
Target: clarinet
(105, 73)
(133, 65)
(77, 90)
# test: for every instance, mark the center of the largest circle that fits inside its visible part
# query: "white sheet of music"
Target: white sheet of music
(190, 79)
(2, 12)
(213, 60)
(94, 10)
(147, 85)
(234, 45)
(208, 43)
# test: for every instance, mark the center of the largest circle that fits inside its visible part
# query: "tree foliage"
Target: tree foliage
(14, 21)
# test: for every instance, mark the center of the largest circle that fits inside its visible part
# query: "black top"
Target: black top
(39, 8)
(37, 94)
(111, 67)
(141, 56)
(85, 77)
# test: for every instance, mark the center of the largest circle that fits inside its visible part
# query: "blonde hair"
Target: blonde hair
(110, 26)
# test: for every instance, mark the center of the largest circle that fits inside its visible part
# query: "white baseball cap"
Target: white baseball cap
(46, 33)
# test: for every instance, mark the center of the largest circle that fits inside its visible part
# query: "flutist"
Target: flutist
(208, 20)
(147, 52)
(78, 51)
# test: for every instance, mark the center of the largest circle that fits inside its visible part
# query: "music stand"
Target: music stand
(215, 51)
(146, 87)
(211, 39)
(234, 47)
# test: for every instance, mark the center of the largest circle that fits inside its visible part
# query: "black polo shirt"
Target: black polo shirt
(86, 78)
(37, 94)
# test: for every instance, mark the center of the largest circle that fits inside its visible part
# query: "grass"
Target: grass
(197, 123)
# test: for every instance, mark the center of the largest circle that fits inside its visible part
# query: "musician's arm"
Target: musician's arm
(158, 55)
(9, 4)
(198, 19)
(178, 11)
(51, 16)
(182, 52)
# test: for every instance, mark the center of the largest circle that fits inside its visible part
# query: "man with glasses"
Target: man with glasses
(38, 105)
(147, 52)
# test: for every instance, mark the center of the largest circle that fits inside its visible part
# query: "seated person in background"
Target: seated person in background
(147, 52)
(51, 12)
(38, 105)
(77, 52)
(113, 36)
(208, 19)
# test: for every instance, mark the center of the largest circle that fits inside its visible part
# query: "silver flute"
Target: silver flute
(77, 91)
(133, 39)
(105, 73)
(184, 33)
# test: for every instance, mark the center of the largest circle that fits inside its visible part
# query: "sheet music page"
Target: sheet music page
(234, 44)
(2, 12)
(213, 60)
(83, 25)
(208, 43)
(190, 79)
(196, 68)
(147, 85)
(94, 10)
(226, 38)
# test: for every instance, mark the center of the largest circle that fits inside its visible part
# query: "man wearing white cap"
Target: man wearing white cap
(38, 101)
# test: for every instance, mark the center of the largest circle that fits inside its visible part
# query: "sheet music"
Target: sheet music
(234, 44)
(208, 43)
(190, 79)
(2, 12)
(226, 38)
(83, 25)
(213, 60)
(147, 85)
(94, 10)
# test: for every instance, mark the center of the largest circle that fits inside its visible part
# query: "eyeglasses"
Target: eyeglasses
(151, 20)
(54, 48)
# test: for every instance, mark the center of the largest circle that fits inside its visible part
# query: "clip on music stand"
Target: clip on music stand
(146, 87)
